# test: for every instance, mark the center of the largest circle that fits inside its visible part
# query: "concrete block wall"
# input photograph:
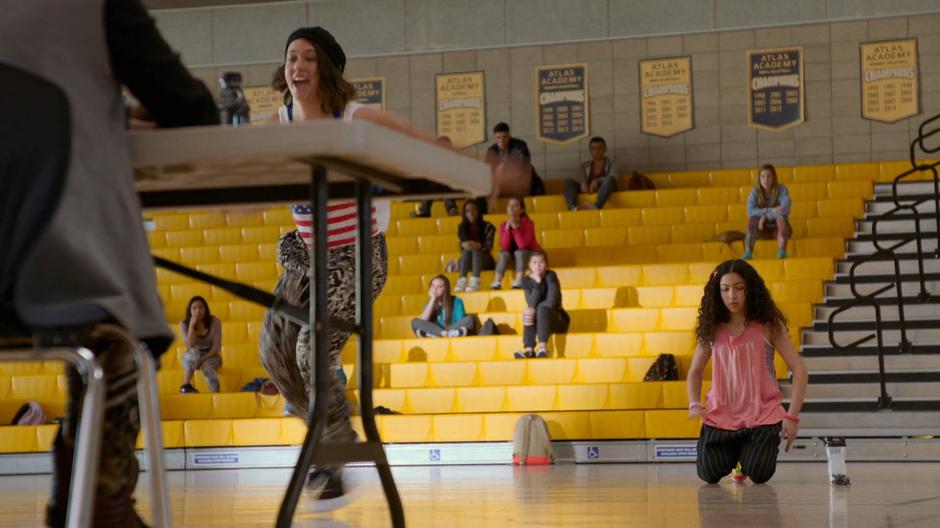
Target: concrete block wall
(409, 41)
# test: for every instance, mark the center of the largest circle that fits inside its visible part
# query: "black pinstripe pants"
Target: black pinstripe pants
(719, 451)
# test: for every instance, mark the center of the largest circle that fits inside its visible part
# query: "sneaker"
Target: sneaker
(422, 334)
(474, 284)
(453, 211)
(747, 255)
(187, 388)
(588, 206)
(457, 332)
(461, 285)
(542, 353)
(328, 490)
(782, 254)
(737, 475)
(497, 285)
(517, 284)
(416, 214)
(524, 354)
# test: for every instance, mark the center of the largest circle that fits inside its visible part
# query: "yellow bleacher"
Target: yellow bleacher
(632, 276)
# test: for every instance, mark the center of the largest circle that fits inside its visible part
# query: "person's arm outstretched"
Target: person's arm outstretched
(780, 339)
(693, 382)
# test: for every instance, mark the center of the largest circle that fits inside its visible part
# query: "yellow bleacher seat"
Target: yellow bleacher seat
(576, 277)
(851, 189)
(798, 314)
(412, 304)
(243, 355)
(853, 207)
(633, 319)
(712, 196)
(187, 238)
(648, 235)
(680, 252)
(402, 209)
(203, 220)
(653, 296)
(437, 244)
(675, 395)
(664, 423)
(813, 173)
(613, 345)
(522, 398)
(171, 221)
(544, 204)
(427, 349)
(641, 395)
(620, 217)
(737, 212)
(676, 197)
(605, 236)
(199, 255)
(571, 345)
(700, 272)
(252, 271)
(234, 405)
(224, 236)
(182, 293)
(222, 269)
(244, 219)
(839, 226)
(482, 348)
(603, 369)
(583, 398)
(257, 432)
(462, 374)
(663, 215)
(731, 177)
(245, 311)
(394, 399)
(278, 216)
(588, 321)
(617, 276)
(638, 366)
(265, 251)
(458, 428)
(387, 351)
(820, 268)
(610, 425)
(562, 238)
(571, 425)
(676, 343)
(34, 387)
(578, 219)
(20, 368)
(505, 301)
(803, 209)
(601, 298)
(406, 429)
(403, 284)
(414, 264)
(665, 274)
(769, 270)
(552, 371)
(807, 191)
(797, 291)
(403, 245)
(167, 253)
(492, 373)
(688, 295)
(678, 319)
(784, 174)
(175, 311)
(544, 221)
(432, 401)
(241, 253)
(857, 171)
(481, 399)
(447, 225)
(633, 199)
(889, 170)
(689, 179)
(208, 433)
(820, 247)
(592, 256)
(18, 439)
(706, 214)
(660, 179)
(687, 233)
(416, 227)
(186, 406)
(260, 234)
(387, 305)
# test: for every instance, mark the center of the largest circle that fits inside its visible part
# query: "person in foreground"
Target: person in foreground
(743, 419)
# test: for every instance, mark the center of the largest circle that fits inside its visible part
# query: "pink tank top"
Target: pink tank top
(744, 389)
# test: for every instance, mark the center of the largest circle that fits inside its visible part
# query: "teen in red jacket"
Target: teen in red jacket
(516, 242)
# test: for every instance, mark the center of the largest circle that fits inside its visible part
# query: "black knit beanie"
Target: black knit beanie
(324, 40)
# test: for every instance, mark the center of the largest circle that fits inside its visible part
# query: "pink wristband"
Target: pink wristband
(791, 418)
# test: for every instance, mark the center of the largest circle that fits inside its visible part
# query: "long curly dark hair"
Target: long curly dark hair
(759, 305)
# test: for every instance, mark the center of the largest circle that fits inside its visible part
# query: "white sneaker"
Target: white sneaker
(516, 284)
(474, 284)
(461, 285)
(497, 285)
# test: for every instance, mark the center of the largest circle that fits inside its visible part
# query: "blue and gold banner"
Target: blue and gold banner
(370, 91)
(666, 96)
(461, 107)
(562, 103)
(889, 80)
(775, 88)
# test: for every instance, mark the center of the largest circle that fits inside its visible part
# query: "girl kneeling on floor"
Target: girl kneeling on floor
(738, 328)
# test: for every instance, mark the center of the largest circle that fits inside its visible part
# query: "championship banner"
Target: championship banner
(263, 102)
(461, 107)
(562, 103)
(775, 88)
(370, 91)
(889, 80)
(666, 96)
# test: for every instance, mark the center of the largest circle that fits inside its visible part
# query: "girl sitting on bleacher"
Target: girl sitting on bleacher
(202, 334)
(443, 315)
(738, 328)
(768, 211)
(516, 242)
(476, 246)
(544, 313)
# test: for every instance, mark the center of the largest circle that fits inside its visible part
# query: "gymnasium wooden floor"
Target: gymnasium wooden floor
(667, 495)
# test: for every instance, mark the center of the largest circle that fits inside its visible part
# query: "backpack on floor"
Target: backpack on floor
(663, 369)
(531, 443)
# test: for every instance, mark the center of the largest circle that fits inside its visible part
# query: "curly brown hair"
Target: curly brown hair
(759, 305)
(335, 91)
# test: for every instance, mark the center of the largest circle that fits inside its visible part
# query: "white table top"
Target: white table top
(217, 158)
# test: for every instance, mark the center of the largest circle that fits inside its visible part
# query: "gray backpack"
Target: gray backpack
(531, 443)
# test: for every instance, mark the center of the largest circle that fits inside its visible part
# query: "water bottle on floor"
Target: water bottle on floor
(233, 106)
(835, 452)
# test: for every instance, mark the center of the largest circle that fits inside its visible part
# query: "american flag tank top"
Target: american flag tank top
(341, 222)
